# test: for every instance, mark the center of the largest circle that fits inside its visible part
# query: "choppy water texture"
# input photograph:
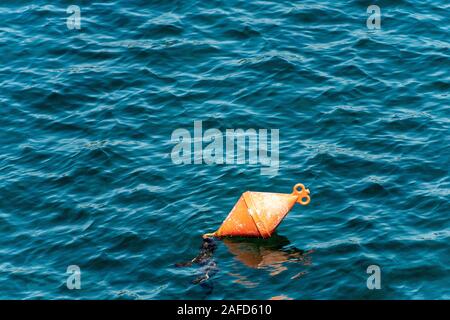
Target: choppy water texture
(86, 118)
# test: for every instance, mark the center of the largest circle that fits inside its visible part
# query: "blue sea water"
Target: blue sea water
(87, 178)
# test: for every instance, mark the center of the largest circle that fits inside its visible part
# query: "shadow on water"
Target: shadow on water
(273, 254)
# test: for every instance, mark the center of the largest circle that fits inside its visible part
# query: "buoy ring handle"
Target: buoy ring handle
(303, 194)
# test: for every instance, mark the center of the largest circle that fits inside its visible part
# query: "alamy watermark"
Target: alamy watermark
(74, 278)
(374, 280)
(374, 20)
(233, 146)
(74, 20)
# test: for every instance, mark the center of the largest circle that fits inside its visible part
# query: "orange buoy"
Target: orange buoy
(257, 214)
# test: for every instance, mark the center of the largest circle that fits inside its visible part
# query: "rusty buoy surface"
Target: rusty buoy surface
(257, 214)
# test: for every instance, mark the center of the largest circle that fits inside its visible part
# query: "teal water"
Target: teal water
(87, 179)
